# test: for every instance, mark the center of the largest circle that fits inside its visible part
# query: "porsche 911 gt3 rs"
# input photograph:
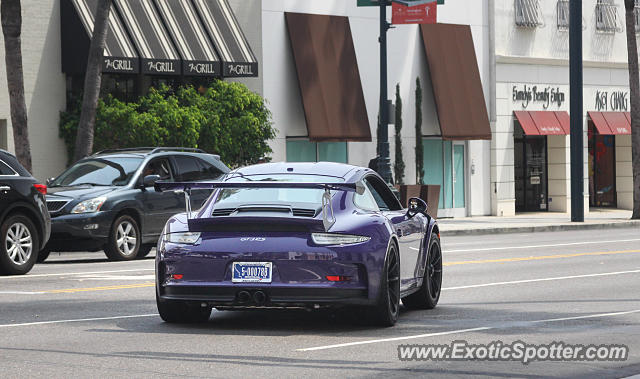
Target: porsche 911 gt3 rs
(292, 235)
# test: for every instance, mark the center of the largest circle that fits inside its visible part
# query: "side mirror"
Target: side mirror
(416, 205)
(49, 181)
(150, 180)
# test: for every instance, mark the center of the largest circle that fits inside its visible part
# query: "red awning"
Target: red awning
(610, 123)
(542, 123)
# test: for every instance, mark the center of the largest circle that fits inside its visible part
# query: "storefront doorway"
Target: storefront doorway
(602, 169)
(530, 165)
(444, 165)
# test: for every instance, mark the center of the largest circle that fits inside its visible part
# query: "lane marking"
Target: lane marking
(76, 320)
(541, 280)
(105, 288)
(538, 246)
(513, 324)
(541, 257)
(72, 273)
(20, 293)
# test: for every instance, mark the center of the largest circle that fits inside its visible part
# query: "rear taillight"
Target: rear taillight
(40, 188)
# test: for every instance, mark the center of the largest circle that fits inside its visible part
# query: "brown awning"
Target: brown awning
(328, 77)
(456, 81)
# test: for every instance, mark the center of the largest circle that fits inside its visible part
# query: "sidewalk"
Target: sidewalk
(537, 222)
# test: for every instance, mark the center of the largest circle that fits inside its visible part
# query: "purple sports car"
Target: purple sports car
(297, 235)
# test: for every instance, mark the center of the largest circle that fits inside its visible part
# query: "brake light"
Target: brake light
(338, 278)
(40, 188)
(177, 276)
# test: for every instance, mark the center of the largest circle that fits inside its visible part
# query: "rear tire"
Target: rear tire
(124, 239)
(386, 312)
(19, 245)
(179, 312)
(429, 293)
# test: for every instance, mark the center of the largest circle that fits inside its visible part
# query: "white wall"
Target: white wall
(407, 61)
(44, 86)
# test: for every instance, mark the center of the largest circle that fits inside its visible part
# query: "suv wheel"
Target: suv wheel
(18, 245)
(124, 239)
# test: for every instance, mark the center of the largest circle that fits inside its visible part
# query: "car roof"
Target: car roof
(339, 170)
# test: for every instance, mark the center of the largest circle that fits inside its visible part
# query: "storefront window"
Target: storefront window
(301, 150)
(444, 166)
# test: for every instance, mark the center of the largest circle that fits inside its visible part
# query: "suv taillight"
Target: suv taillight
(40, 188)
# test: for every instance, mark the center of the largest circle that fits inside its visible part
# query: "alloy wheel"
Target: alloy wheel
(126, 238)
(19, 243)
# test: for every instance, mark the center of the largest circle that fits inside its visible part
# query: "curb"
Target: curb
(539, 228)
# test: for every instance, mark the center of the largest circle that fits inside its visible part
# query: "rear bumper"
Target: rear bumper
(275, 295)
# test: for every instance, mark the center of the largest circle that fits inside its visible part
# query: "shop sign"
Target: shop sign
(118, 65)
(161, 67)
(202, 68)
(615, 101)
(533, 94)
(414, 12)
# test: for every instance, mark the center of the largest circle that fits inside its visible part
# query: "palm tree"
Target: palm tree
(92, 82)
(634, 87)
(11, 13)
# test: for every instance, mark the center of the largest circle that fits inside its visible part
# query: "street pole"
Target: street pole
(384, 162)
(575, 79)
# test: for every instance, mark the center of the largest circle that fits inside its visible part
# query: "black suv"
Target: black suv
(24, 221)
(107, 201)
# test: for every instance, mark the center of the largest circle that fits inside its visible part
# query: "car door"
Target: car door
(159, 206)
(410, 231)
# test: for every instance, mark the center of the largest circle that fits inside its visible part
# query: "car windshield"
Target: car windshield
(99, 172)
(246, 196)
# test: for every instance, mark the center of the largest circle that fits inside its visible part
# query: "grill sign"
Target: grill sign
(118, 65)
(240, 69)
(162, 67)
(202, 68)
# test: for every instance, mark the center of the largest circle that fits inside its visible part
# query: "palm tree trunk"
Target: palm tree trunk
(634, 87)
(11, 13)
(92, 82)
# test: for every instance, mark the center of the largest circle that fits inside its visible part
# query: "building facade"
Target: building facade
(197, 40)
(456, 156)
(530, 155)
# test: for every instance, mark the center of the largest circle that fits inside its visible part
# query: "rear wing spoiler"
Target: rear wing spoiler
(328, 218)
(184, 186)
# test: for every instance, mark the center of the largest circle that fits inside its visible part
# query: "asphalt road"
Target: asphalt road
(79, 315)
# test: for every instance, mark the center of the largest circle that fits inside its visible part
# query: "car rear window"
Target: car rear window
(13, 163)
(248, 196)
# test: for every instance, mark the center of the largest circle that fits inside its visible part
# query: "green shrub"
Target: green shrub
(226, 119)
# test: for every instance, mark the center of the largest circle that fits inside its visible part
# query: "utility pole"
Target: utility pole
(384, 162)
(577, 143)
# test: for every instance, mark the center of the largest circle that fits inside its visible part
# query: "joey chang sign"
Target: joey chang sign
(414, 12)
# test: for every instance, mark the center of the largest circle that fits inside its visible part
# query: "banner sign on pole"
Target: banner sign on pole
(414, 12)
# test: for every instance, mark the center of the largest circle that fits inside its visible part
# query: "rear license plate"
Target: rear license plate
(252, 272)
